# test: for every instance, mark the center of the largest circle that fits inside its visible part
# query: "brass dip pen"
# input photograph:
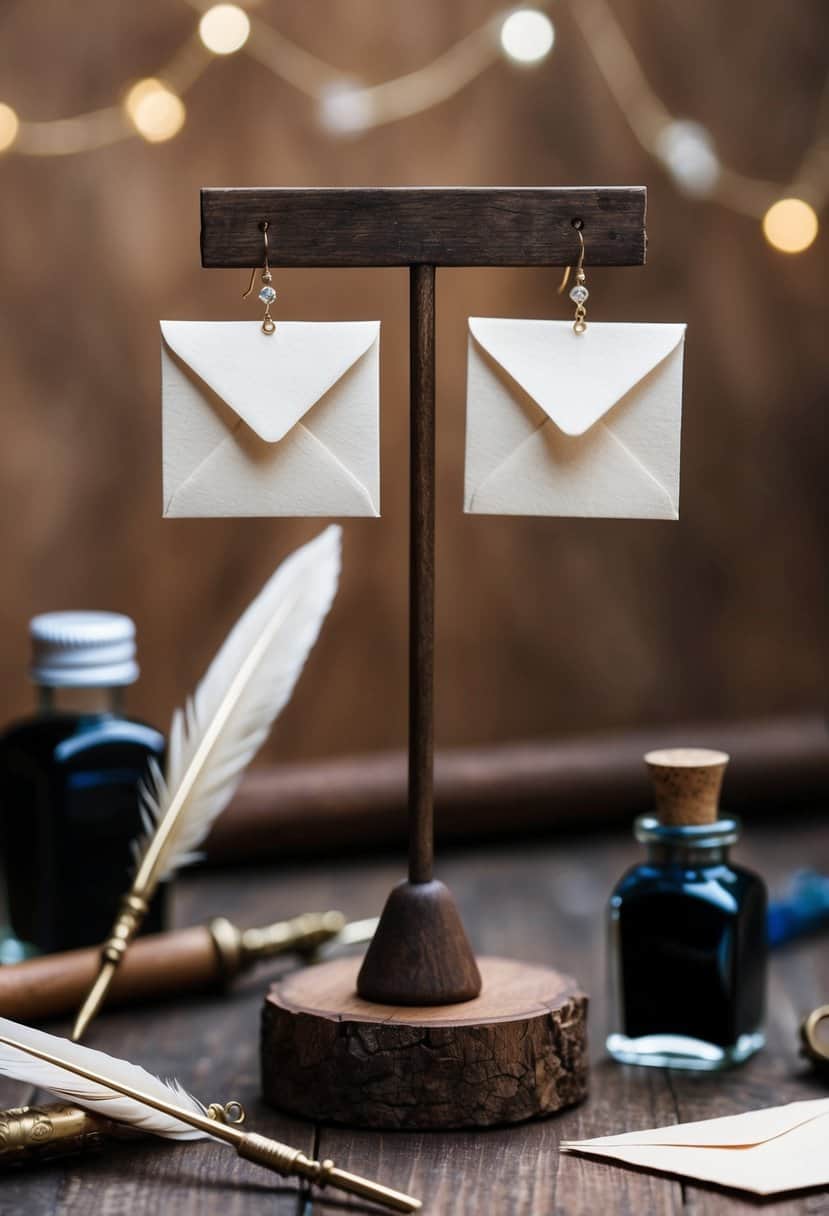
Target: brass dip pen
(271, 1154)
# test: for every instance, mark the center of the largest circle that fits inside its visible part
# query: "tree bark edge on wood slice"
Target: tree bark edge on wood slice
(518, 1051)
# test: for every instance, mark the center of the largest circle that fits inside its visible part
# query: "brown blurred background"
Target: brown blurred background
(545, 627)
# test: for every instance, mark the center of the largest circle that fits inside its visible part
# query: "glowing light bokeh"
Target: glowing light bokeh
(9, 126)
(527, 35)
(156, 112)
(790, 225)
(224, 28)
(345, 108)
(687, 151)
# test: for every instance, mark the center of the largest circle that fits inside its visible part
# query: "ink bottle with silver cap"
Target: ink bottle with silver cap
(69, 779)
(687, 929)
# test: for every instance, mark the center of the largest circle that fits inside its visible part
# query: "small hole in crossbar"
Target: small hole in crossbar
(577, 223)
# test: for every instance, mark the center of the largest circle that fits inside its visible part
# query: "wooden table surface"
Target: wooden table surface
(544, 902)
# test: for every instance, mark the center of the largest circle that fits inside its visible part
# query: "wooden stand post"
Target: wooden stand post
(420, 955)
(421, 571)
(402, 965)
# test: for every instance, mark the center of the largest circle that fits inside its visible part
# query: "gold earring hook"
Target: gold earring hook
(265, 267)
(267, 294)
(565, 278)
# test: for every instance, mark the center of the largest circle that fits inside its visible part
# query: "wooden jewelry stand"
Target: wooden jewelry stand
(420, 1035)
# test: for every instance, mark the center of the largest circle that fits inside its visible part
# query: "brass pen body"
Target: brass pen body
(31, 1134)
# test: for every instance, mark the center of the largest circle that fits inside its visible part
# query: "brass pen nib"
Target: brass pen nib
(131, 913)
(94, 999)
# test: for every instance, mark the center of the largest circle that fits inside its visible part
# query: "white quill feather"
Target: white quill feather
(17, 1064)
(215, 737)
(218, 733)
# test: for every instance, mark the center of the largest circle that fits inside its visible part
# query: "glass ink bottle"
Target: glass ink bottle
(687, 929)
(69, 779)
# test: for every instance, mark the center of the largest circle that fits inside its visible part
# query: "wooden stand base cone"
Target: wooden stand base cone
(516, 1052)
(403, 966)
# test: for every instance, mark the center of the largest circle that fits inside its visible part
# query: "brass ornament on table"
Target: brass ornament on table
(267, 294)
(815, 1047)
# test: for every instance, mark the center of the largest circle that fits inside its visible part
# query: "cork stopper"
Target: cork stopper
(687, 783)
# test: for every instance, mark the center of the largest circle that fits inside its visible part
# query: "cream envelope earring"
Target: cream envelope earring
(569, 419)
(277, 418)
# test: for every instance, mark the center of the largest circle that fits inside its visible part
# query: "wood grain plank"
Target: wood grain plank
(518, 1171)
(404, 226)
(543, 902)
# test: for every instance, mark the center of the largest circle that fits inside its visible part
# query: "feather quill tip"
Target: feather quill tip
(94, 1000)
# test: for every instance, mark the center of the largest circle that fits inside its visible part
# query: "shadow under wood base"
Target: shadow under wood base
(518, 1051)
(420, 954)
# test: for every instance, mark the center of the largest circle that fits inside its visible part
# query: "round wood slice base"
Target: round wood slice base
(517, 1051)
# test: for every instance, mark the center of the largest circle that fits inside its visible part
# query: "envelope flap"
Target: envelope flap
(575, 378)
(270, 381)
(730, 1131)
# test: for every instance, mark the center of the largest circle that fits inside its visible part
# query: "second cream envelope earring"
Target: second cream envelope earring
(270, 418)
(566, 418)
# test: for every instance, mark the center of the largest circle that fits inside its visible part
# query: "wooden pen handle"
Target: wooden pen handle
(161, 964)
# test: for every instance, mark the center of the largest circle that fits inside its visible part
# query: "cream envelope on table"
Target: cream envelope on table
(781, 1148)
(560, 423)
(279, 424)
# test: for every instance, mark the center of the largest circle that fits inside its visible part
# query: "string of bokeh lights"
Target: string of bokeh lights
(154, 108)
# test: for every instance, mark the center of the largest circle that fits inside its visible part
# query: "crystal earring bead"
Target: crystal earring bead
(579, 295)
